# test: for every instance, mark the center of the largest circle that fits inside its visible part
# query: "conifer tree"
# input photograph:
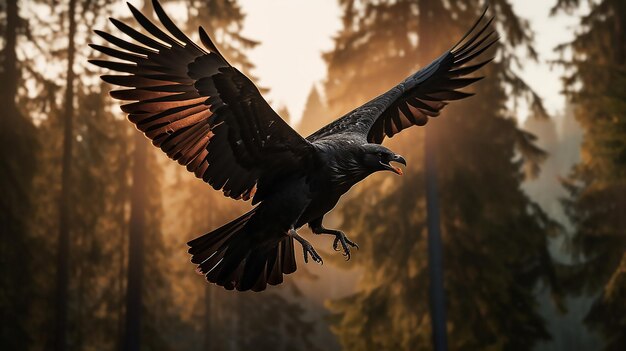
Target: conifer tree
(98, 195)
(18, 148)
(315, 114)
(596, 85)
(148, 279)
(223, 19)
(63, 245)
(98, 198)
(494, 237)
(222, 320)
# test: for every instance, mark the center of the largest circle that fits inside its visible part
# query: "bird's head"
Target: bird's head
(377, 158)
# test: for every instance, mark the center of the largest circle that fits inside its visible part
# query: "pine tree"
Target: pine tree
(495, 238)
(596, 85)
(63, 245)
(315, 114)
(545, 189)
(148, 279)
(18, 148)
(221, 320)
(223, 20)
(100, 224)
(98, 199)
(83, 209)
(98, 195)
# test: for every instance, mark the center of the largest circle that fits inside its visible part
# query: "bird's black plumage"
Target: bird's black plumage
(208, 116)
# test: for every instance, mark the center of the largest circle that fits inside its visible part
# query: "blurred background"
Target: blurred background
(531, 175)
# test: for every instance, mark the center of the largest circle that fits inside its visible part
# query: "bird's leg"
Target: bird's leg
(307, 248)
(340, 237)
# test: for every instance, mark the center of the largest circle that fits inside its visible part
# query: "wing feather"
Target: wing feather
(198, 109)
(422, 95)
(124, 44)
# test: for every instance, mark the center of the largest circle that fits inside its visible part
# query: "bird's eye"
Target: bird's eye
(380, 154)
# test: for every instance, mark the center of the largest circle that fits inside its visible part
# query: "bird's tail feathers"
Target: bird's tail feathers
(229, 257)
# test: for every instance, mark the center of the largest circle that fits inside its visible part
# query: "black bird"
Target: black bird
(208, 116)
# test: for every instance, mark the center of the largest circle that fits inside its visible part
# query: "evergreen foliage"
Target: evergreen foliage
(596, 85)
(18, 150)
(223, 320)
(315, 114)
(495, 237)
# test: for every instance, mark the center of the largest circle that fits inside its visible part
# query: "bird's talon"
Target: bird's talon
(345, 244)
(308, 249)
(336, 244)
(317, 259)
(340, 238)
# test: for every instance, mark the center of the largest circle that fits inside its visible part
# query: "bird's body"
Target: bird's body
(208, 116)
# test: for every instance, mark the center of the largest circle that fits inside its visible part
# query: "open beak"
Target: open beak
(396, 170)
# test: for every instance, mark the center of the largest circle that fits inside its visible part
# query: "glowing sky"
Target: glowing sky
(550, 31)
(294, 33)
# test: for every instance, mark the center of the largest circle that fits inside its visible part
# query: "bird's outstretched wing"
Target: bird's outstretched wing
(421, 95)
(198, 109)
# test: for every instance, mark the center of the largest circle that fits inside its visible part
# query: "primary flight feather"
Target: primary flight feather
(210, 118)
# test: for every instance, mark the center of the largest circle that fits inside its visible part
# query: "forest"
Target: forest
(94, 221)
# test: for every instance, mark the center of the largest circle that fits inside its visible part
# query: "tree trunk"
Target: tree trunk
(208, 300)
(132, 334)
(121, 314)
(235, 341)
(435, 245)
(620, 48)
(10, 73)
(209, 340)
(63, 248)
(17, 146)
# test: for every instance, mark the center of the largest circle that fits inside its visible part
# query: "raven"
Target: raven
(207, 115)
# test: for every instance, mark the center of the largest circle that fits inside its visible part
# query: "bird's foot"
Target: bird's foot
(340, 237)
(307, 248)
